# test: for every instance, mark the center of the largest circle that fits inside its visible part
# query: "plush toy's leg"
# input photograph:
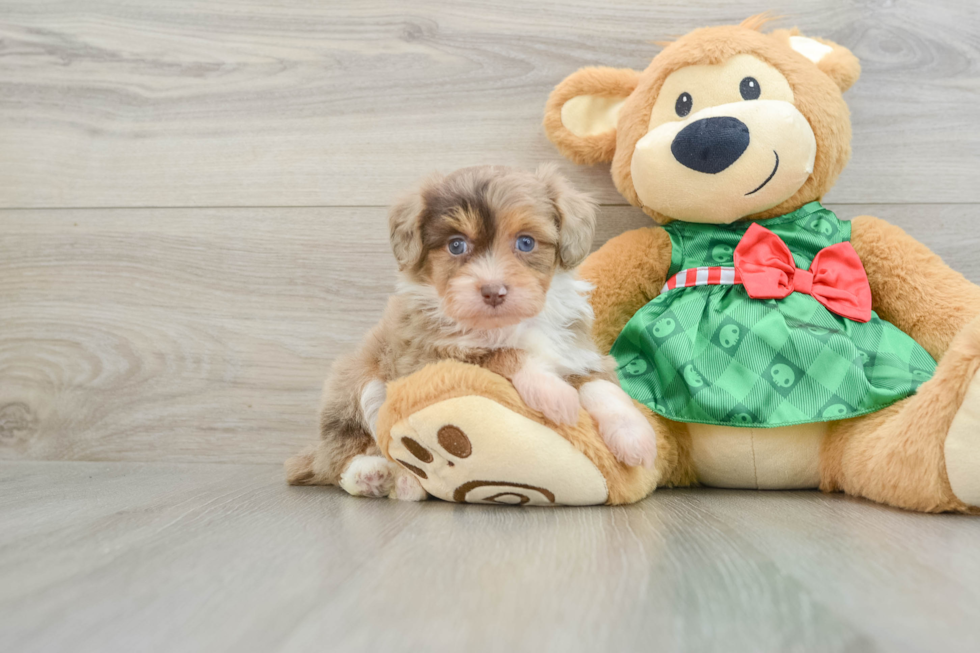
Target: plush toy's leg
(922, 453)
(464, 432)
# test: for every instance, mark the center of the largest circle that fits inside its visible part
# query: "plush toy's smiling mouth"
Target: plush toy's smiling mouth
(769, 178)
(708, 169)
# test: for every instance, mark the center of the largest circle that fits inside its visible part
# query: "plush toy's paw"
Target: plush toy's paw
(407, 488)
(962, 449)
(472, 449)
(627, 433)
(368, 476)
(548, 394)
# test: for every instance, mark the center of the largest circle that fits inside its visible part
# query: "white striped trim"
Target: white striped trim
(701, 276)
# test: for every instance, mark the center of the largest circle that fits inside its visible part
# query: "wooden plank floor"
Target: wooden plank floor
(204, 557)
(192, 227)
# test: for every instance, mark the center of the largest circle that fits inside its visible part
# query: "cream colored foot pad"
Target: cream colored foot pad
(472, 449)
(963, 448)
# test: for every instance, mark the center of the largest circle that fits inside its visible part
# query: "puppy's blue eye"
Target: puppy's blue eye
(457, 246)
(525, 243)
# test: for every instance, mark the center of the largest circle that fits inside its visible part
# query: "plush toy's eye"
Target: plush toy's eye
(683, 104)
(457, 246)
(750, 89)
(525, 243)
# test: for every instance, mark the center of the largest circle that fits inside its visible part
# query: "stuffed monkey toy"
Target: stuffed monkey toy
(771, 344)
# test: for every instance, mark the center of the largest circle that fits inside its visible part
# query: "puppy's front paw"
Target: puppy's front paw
(625, 430)
(549, 394)
(630, 438)
(368, 476)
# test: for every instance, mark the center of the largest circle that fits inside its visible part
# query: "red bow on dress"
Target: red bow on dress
(836, 277)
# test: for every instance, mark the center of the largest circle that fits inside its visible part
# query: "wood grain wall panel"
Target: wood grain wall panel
(203, 103)
(204, 334)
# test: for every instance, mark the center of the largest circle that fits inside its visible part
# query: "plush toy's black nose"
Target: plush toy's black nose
(710, 145)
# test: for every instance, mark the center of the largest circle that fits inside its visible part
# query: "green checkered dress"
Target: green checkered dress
(711, 354)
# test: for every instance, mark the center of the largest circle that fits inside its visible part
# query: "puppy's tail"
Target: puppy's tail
(300, 468)
(324, 462)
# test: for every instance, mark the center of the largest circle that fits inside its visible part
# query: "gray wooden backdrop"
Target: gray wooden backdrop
(192, 192)
(192, 226)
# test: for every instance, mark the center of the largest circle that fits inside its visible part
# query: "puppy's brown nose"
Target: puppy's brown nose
(493, 293)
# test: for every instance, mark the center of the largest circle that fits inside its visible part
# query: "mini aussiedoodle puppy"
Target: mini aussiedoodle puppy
(487, 259)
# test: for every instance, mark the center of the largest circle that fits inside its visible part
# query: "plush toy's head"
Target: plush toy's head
(725, 123)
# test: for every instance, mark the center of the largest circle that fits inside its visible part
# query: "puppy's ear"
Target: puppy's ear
(576, 217)
(404, 225)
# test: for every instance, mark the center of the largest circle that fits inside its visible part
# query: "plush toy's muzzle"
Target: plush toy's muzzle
(710, 145)
(724, 162)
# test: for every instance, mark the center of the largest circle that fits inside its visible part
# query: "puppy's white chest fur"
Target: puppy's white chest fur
(558, 337)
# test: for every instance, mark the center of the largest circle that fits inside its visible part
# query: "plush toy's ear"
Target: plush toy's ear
(836, 61)
(576, 213)
(580, 117)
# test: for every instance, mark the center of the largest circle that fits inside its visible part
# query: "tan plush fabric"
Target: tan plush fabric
(615, 83)
(472, 449)
(590, 115)
(922, 453)
(449, 379)
(962, 448)
(786, 458)
(817, 89)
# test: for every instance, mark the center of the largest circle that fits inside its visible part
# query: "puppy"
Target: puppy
(487, 259)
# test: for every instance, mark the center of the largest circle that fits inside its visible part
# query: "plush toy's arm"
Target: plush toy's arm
(911, 287)
(627, 272)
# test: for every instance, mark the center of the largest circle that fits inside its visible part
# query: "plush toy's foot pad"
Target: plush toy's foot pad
(963, 448)
(472, 449)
